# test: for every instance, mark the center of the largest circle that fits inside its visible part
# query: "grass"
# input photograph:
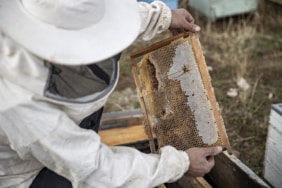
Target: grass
(249, 47)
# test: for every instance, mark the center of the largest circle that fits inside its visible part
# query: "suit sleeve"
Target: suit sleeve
(40, 131)
(155, 18)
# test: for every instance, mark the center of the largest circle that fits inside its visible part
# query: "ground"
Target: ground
(247, 48)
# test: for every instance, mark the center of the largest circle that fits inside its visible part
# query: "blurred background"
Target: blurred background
(242, 45)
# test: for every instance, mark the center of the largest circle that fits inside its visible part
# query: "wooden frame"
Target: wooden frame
(205, 77)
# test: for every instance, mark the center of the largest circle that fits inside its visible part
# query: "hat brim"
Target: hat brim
(119, 27)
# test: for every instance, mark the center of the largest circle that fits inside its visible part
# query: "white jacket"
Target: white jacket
(39, 130)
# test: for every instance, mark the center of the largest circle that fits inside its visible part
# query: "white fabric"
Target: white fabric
(71, 14)
(36, 131)
(157, 13)
(71, 46)
(78, 154)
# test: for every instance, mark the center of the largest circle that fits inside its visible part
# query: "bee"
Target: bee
(186, 68)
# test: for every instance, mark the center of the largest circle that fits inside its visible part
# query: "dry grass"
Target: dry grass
(248, 47)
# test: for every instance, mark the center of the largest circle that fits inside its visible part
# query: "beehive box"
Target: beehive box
(176, 94)
(215, 9)
(277, 1)
(273, 153)
(173, 4)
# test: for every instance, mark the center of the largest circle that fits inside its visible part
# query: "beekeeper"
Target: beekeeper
(59, 64)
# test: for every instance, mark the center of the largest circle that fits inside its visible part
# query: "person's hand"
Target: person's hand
(201, 160)
(182, 20)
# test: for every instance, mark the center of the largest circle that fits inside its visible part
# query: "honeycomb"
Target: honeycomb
(175, 89)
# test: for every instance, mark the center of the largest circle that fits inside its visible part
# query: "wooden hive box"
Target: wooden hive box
(173, 4)
(215, 9)
(277, 1)
(273, 152)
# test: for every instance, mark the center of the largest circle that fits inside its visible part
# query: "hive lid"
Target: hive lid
(277, 108)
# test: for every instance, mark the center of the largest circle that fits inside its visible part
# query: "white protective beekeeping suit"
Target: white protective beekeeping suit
(41, 105)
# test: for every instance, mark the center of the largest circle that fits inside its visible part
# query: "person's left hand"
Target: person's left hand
(182, 20)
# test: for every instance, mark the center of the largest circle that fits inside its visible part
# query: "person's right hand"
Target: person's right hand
(201, 160)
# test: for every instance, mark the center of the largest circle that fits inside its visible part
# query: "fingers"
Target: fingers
(182, 21)
(201, 160)
(192, 27)
(210, 160)
(213, 151)
(189, 27)
(189, 17)
(210, 153)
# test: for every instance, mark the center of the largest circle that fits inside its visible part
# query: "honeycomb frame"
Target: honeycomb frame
(165, 95)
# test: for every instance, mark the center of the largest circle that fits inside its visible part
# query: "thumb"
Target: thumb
(213, 151)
